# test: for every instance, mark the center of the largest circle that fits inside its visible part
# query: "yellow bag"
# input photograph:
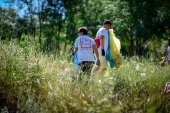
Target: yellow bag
(115, 49)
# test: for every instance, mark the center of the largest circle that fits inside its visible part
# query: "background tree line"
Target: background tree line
(53, 24)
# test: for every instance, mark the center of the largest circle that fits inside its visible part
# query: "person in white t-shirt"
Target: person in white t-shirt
(168, 51)
(84, 46)
(102, 34)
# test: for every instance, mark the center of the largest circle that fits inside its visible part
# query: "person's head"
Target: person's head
(107, 24)
(82, 31)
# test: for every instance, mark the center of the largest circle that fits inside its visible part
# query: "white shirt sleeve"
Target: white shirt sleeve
(76, 44)
(103, 32)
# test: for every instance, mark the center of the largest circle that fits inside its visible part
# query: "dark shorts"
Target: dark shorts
(86, 66)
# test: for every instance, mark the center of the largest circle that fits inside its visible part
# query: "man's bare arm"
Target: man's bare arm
(96, 52)
(97, 55)
(102, 44)
(102, 41)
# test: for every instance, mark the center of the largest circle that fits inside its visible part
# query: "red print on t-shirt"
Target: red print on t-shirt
(85, 43)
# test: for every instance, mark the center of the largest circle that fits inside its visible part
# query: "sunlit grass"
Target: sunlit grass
(39, 83)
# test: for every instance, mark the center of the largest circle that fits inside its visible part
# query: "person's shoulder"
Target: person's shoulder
(82, 37)
(91, 40)
(88, 37)
(103, 29)
(78, 38)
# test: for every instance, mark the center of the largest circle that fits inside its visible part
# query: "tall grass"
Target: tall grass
(32, 82)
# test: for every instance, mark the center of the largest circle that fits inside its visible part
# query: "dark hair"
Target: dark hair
(107, 22)
(168, 41)
(83, 29)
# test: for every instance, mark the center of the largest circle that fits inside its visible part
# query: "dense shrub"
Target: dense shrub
(32, 82)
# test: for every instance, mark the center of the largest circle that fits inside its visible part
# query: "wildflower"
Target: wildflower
(111, 78)
(143, 74)
(137, 67)
(120, 103)
(66, 70)
(49, 85)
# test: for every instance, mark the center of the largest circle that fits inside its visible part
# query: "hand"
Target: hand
(98, 62)
(103, 52)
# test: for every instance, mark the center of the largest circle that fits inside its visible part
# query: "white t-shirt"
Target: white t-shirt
(168, 56)
(103, 31)
(85, 50)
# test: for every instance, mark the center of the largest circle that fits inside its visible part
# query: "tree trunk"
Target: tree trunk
(131, 42)
(40, 26)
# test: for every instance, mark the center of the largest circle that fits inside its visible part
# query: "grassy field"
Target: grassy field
(32, 82)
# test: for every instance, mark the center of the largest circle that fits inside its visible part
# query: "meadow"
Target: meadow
(35, 82)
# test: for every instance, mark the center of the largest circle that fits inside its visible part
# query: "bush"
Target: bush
(42, 84)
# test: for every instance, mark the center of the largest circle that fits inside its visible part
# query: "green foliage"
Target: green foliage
(41, 83)
(55, 22)
(7, 23)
